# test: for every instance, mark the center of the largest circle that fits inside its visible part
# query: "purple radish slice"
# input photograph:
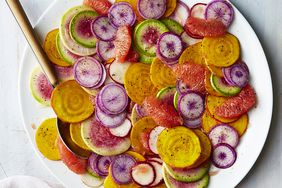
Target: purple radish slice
(181, 87)
(223, 156)
(122, 130)
(102, 81)
(169, 47)
(198, 10)
(102, 29)
(220, 10)
(105, 50)
(117, 71)
(187, 40)
(191, 105)
(141, 112)
(181, 13)
(64, 73)
(193, 124)
(88, 72)
(92, 164)
(143, 174)
(112, 99)
(151, 9)
(239, 74)
(121, 14)
(227, 75)
(153, 138)
(223, 133)
(103, 164)
(159, 173)
(109, 121)
(121, 168)
(96, 56)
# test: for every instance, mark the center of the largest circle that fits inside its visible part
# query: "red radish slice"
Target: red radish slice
(181, 13)
(103, 164)
(143, 174)
(117, 71)
(105, 50)
(102, 29)
(88, 72)
(191, 105)
(112, 99)
(193, 124)
(223, 133)
(122, 14)
(239, 74)
(188, 40)
(151, 9)
(198, 10)
(224, 156)
(169, 47)
(156, 159)
(153, 138)
(220, 10)
(181, 87)
(121, 168)
(159, 173)
(141, 111)
(122, 130)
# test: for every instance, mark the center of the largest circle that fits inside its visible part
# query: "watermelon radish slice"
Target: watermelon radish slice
(169, 47)
(188, 175)
(159, 173)
(64, 73)
(121, 168)
(112, 99)
(88, 72)
(193, 124)
(167, 94)
(198, 10)
(181, 13)
(40, 87)
(91, 181)
(223, 133)
(143, 174)
(173, 25)
(220, 10)
(105, 50)
(122, 130)
(151, 9)
(191, 105)
(153, 138)
(99, 139)
(68, 42)
(224, 156)
(102, 29)
(181, 87)
(80, 28)
(65, 54)
(122, 14)
(117, 71)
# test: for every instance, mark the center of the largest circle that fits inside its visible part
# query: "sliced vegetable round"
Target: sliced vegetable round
(169, 47)
(181, 13)
(181, 87)
(106, 50)
(143, 174)
(153, 138)
(88, 72)
(91, 181)
(122, 14)
(191, 105)
(220, 10)
(223, 133)
(159, 172)
(141, 111)
(102, 29)
(193, 124)
(239, 74)
(122, 130)
(151, 9)
(227, 76)
(118, 70)
(103, 164)
(221, 86)
(121, 168)
(80, 28)
(198, 10)
(112, 99)
(224, 156)
(173, 25)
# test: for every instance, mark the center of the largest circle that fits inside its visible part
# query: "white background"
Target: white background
(16, 154)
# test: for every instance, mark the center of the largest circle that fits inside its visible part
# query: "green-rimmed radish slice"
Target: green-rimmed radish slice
(175, 100)
(172, 183)
(146, 36)
(68, 42)
(173, 26)
(40, 87)
(188, 175)
(65, 54)
(221, 86)
(146, 59)
(91, 181)
(81, 28)
(99, 139)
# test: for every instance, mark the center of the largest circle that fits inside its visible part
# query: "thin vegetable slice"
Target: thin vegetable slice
(75, 132)
(143, 174)
(209, 87)
(179, 147)
(170, 7)
(208, 122)
(122, 14)
(224, 156)
(241, 124)
(151, 9)
(71, 103)
(134, 4)
(224, 133)
(193, 53)
(181, 13)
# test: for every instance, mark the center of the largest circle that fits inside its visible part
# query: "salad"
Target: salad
(151, 93)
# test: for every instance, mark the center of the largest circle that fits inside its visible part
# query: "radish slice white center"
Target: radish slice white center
(122, 130)
(117, 71)
(143, 174)
(153, 138)
(159, 172)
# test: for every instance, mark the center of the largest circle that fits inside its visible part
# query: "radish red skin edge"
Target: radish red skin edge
(224, 156)
(122, 14)
(140, 176)
(156, 9)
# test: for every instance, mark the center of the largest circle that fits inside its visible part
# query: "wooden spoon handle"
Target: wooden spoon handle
(28, 31)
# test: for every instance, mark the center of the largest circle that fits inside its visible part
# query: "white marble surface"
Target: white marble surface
(16, 153)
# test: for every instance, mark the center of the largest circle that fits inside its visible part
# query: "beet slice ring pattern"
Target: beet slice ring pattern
(151, 9)
(122, 14)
